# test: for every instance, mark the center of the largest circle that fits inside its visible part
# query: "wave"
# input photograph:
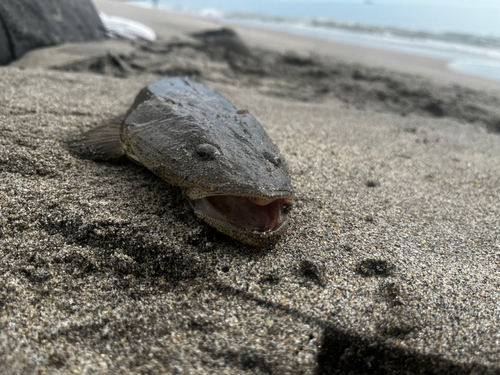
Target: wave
(449, 37)
(206, 12)
(468, 53)
(454, 39)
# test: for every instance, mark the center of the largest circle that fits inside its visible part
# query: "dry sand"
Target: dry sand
(391, 264)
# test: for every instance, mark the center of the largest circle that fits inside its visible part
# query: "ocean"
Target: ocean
(467, 35)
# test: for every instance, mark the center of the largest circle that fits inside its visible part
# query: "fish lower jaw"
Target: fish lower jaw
(245, 219)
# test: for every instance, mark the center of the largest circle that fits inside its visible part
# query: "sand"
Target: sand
(390, 264)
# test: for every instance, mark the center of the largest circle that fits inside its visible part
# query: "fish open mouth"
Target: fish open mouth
(248, 213)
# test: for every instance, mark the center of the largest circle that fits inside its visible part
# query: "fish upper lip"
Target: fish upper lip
(270, 198)
(198, 193)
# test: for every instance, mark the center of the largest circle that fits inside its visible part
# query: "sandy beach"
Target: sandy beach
(390, 265)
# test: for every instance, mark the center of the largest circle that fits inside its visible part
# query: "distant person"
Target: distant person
(155, 4)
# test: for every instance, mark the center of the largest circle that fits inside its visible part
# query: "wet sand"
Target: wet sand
(390, 264)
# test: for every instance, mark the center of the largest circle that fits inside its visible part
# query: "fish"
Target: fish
(232, 174)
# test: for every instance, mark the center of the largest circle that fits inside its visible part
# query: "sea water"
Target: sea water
(465, 33)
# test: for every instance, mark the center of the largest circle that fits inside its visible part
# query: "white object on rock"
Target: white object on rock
(125, 28)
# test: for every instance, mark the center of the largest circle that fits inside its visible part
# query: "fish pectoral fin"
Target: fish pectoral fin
(100, 144)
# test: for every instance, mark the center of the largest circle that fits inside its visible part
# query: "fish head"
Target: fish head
(233, 174)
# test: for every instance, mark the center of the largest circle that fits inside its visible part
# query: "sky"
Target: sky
(491, 4)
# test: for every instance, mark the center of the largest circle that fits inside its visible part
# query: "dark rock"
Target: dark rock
(5, 48)
(30, 24)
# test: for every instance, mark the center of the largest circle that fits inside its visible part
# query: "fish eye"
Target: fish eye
(273, 159)
(206, 152)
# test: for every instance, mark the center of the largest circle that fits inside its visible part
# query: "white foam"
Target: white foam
(211, 13)
(125, 28)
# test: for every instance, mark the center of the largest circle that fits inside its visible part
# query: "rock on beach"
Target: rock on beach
(29, 24)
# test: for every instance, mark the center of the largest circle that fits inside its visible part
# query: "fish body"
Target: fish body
(234, 176)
